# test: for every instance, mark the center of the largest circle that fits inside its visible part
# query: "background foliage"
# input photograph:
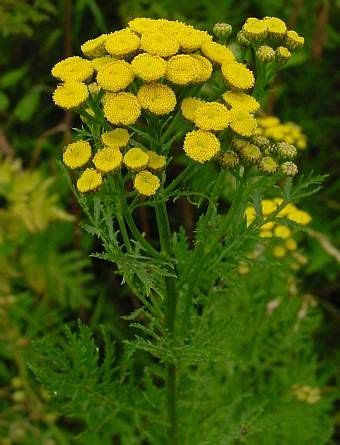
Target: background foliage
(47, 278)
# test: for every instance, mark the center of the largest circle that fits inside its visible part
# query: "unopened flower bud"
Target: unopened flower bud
(289, 168)
(286, 151)
(242, 39)
(265, 54)
(229, 159)
(222, 30)
(268, 165)
(261, 141)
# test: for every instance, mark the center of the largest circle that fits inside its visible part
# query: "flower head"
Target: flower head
(222, 30)
(211, 116)
(299, 216)
(99, 62)
(294, 41)
(291, 244)
(108, 159)
(205, 70)
(89, 180)
(148, 67)
(146, 183)
(265, 54)
(281, 231)
(241, 122)
(238, 76)
(255, 29)
(279, 251)
(121, 108)
(94, 47)
(136, 159)
(189, 106)
(141, 25)
(117, 138)
(191, 39)
(250, 153)
(73, 69)
(159, 43)
(70, 94)
(156, 162)
(115, 76)
(77, 154)
(121, 43)
(183, 69)
(286, 151)
(217, 53)
(289, 168)
(268, 165)
(282, 54)
(201, 145)
(240, 100)
(157, 98)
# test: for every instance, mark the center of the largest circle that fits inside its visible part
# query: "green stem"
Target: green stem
(170, 321)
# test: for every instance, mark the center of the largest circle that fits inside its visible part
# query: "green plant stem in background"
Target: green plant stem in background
(170, 320)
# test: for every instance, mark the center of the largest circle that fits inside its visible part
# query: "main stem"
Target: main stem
(170, 321)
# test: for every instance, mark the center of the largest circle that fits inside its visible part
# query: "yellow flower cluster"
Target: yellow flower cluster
(306, 393)
(135, 76)
(272, 128)
(272, 34)
(282, 234)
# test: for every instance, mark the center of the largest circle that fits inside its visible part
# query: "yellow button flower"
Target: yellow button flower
(148, 67)
(189, 106)
(90, 180)
(201, 145)
(291, 244)
(241, 122)
(191, 39)
(240, 100)
(121, 108)
(276, 27)
(157, 98)
(156, 162)
(279, 251)
(299, 216)
(94, 47)
(183, 69)
(217, 53)
(212, 116)
(108, 159)
(70, 95)
(146, 183)
(159, 44)
(141, 25)
(99, 62)
(117, 138)
(282, 232)
(121, 43)
(294, 41)
(73, 69)
(77, 154)
(206, 68)
(115, 76)
(238, 76)
(136, 159)
(268, 206)
(254, 29)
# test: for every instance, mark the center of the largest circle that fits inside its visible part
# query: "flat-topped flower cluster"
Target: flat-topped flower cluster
(151, 70)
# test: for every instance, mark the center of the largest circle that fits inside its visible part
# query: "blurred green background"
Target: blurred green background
(45, 251)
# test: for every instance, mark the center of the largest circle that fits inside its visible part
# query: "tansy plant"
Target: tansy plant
(167, 112)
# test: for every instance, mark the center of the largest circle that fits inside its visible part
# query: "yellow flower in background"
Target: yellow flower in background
(211, 116)
(121, 43)
(108, 159)
(201, 145)
(268, 206)
(148, 67)
(240, 100)
(159, 43)
(157, 98)
(70, 95)
(94, 47)
(242, 122)
(290, 244)
(306, 393)
(217, 53)
(299, 217)
(238, 76)
(117, 138)
(73, 69)
(90, 180)
(77, 154)
(136, 159)
(121, 108)
(189, 106)
(146, 183)
(282, 232)
(156, 162)
(115, 76)
(183, 69)
(279, 251)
